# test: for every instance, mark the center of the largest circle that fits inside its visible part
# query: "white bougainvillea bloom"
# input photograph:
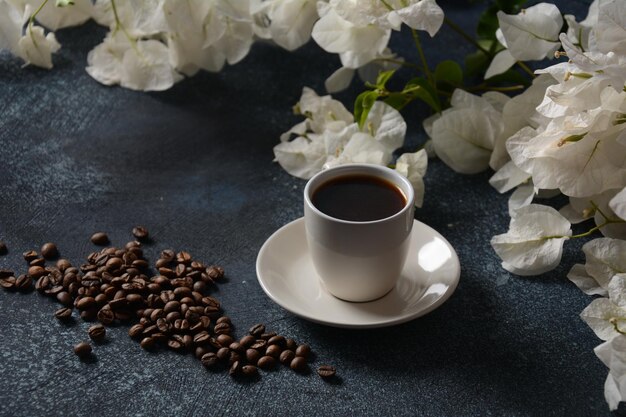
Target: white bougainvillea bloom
(579, 154)
(613, 354)
(139, 18)
(604, 258)
(464, 136)
(36, 48)
(287, 22)
(356, 43)
(618, 204)
(597, 206)
(30, 43)
(609, 34)
(423, 15)
(519, 112)
(602, 315)
(301, 157)
(508, 177)
(533, 34)
(53, 17)
(143, 66)
(413, 166)
(341, 78)
(534, 242)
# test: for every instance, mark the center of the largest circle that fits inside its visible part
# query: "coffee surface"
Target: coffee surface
(358, 198)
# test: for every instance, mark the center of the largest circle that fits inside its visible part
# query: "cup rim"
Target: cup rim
(410, 195)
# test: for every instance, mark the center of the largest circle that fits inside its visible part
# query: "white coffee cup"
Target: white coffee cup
(358, 260)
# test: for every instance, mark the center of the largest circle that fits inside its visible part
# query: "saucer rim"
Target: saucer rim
(454, 281)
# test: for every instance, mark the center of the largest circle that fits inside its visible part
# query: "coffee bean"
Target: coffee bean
(183, 257)
(210, 360)
(247, 340)
(298, 364)
(276, 340)
(3, 248)
(326, 371)
(64, 298)
(24, 283)
(29, 255)
(201, 338)
(266, 362)
(235, 368)
(223, 353)
(63, 264)
(100, 239)
(86, 303)
(273, 350)
(8, 283)
(200, 351)
(64, 313)
(303, 351)
(171, 306)
(49, 251)
(135, 331)
(176, 343)
(37, 262)
(147, 343)
(257, 330)
(88, 315)
(82, 350)
(286, 357)
(215, 273)
(222, 328)
(106, 316)
(97, 333)
(259, 344)
(253, 356)
(36, 271)
(140, 232)
(249, 370)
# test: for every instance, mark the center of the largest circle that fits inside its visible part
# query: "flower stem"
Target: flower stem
(32, 16)
(420, 51)
(614, 321)
(526, 68)
(486, 87)
(465, 36)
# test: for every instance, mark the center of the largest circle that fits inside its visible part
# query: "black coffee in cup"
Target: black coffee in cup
(359, 198)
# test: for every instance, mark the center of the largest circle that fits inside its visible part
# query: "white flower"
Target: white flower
(143, 66)
(618, 204)
(464, 135)
(508, 177)
(577, 154)
(302, 157)
(533, 33)
(419, 14)
(341, 78)
(53, 17)
(139, 18)
(287, 22)
(36, 48)
(30, 44)
(500, 63)
(413, 166)
(609, 34)
(613, 354)
(602, 315)
(518, 113)
(356, 44)
(604, 258)
(534, 243)
(580, 209)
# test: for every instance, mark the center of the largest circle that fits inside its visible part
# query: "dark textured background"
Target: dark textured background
(194, 165)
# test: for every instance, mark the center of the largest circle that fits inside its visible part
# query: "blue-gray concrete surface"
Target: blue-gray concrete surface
(194, 165)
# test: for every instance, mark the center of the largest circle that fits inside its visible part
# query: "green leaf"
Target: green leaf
(64, 3)
(363, 104)
(383, 77)
(420, 88)
(488, 23)
(510, 77)
(398, 100)
(476, 64)
(449, 72)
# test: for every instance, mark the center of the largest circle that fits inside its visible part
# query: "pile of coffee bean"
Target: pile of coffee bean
(171, 309)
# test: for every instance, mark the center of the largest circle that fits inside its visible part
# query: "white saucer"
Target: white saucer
(287, 276)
